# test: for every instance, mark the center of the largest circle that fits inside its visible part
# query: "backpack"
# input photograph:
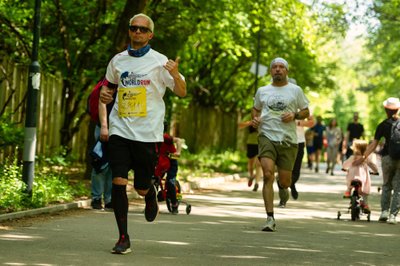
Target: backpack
(93, 101)
(394, 143)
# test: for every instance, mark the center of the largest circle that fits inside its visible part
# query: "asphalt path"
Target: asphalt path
(223, 228)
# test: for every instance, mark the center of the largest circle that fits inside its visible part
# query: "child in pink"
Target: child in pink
(360, 172)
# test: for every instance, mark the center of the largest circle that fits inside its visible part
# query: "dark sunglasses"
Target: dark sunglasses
(140, 28)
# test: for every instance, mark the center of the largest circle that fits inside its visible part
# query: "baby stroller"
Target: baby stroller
(356, 208)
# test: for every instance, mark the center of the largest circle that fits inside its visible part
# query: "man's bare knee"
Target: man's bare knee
(142, 192)
(120, 181)
(285, 179)
(269, 177)
(285, 183)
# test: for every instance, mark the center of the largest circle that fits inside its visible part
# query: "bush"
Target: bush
(49, 186)
(208, 163)
(10, 133)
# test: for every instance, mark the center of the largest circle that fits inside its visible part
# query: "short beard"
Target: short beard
(278, 78)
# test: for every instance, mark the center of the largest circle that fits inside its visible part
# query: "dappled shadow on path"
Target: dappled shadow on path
(224, 228)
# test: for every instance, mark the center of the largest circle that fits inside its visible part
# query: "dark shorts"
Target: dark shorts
(318, 145)
(310, 149)
(126, 155)
(252, 150)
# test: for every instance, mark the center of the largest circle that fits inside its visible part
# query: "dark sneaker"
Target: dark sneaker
(293, 191)
(283, 196)
(270, 225)
(151, 210)
(96, 204)
(108, 205)
(123, 246)
(174, 209)
(255, 187)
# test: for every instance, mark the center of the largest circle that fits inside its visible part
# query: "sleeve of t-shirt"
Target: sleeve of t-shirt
(379, 132)
(257, 103)
(302, 100)
(111, 76)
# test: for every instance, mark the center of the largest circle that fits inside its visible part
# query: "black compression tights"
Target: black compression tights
(120, 205)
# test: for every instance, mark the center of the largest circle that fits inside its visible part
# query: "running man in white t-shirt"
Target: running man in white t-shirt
(276, 108)
(141, 76)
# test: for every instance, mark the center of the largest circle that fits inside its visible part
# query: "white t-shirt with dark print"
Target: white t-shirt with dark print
(139, 109)
(273, 101)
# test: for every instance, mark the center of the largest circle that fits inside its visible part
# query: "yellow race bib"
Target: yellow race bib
(132, 102)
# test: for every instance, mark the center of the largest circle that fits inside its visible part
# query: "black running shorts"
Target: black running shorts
(126, 155)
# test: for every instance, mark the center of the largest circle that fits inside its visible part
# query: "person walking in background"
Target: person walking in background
(101, 176)
(253, 164)
(284, 193)
(141, 76)
(300, 124)
(390, 166)
(276, 107)
(333, 135)
(318, 130)
(360, 172)
(309, 136)
(355, 130)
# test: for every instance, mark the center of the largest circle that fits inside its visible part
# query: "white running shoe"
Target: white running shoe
(270, 225)
(384, 216)
(392, 219)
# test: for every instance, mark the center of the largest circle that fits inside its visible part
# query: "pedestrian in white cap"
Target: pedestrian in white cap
(390, 165)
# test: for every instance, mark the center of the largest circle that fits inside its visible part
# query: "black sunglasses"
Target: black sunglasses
(140, 28)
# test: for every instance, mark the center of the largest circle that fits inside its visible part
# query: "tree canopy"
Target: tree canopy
(216, 41)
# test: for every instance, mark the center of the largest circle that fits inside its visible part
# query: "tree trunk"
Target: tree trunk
(131, 8)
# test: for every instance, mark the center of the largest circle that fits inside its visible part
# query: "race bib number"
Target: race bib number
(132, 102)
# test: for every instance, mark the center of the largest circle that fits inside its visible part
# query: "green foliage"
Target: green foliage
(49, 187)
(59, 158)
(216, 40)
(208, 163)
(384, 43)
(10, 133)
(11, 187)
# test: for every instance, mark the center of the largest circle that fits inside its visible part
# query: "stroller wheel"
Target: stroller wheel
(355, 209)
(188, 209)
